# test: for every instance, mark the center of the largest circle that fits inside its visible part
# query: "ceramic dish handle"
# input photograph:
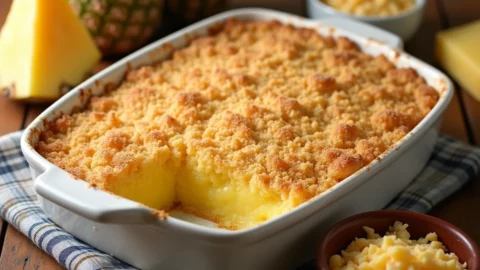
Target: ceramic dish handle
(77, 196)
(365, 30)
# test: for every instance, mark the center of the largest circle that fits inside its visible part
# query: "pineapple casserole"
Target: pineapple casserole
(242, 125)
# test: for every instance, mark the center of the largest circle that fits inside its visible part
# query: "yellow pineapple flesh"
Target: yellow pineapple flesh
(44, 49)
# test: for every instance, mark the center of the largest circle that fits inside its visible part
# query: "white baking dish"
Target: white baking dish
(130, 232)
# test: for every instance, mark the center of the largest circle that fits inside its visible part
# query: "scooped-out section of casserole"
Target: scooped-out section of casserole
(241, 126)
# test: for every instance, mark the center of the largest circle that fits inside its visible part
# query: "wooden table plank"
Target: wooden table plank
(20, 253)
(421, 46)
(453, 124)
(472, 107)
(457, 13)
(11, 115)
(34, 111)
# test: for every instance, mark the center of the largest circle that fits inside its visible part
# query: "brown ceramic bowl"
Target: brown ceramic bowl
(345, 231)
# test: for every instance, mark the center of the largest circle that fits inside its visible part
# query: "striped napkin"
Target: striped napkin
(452, 164)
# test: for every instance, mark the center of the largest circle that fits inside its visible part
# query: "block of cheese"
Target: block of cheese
(44, 49)
(458, 52)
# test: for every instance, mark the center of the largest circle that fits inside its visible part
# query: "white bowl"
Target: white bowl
(404, 24)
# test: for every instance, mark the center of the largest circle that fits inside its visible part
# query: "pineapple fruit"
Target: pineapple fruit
(119, 26)
(44, 50)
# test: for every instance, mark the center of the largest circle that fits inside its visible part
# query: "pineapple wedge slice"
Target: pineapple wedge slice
(44, 48)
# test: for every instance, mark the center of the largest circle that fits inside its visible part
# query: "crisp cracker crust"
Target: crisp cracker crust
(282, 108)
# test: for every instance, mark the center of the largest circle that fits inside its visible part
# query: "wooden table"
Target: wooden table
(462, 121)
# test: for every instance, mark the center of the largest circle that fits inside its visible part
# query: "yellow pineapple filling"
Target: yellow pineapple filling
(228, 201)
(153, 185)
(241, 126)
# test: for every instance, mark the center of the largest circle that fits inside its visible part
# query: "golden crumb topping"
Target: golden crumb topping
(280, 108)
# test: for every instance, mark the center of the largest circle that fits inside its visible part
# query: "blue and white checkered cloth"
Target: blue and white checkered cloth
(452, 164)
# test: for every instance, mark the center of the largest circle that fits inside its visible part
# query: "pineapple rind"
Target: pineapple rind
(119, 26)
